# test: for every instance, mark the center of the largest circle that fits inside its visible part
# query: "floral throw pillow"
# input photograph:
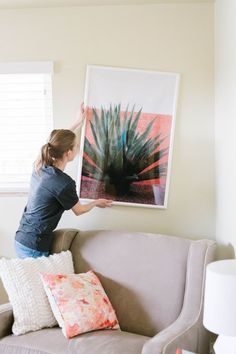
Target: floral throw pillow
(79, 303)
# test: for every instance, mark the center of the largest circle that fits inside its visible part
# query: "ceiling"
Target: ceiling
(10, 4)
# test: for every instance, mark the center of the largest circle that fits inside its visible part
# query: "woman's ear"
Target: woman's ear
(66, 154)
(69, 155)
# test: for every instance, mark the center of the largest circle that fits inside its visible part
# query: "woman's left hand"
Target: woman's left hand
(80, 117)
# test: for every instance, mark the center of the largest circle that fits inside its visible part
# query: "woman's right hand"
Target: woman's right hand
(103, 203)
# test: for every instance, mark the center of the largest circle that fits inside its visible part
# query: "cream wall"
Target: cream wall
(225, 121)
(173, 37)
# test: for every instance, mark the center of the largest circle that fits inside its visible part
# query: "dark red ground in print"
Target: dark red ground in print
(140, 194)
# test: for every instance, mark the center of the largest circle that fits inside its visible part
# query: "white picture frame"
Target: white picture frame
(130, 120)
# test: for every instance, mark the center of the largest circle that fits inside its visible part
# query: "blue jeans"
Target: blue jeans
(24, 252)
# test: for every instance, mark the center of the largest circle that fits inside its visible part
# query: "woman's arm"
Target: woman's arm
(79, 209)
(80, 118)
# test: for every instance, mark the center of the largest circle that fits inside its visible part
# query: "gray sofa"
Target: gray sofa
(155, 284)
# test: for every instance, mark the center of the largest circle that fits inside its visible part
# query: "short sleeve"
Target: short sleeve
(68, 196)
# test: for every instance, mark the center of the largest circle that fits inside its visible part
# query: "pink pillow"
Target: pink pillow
(79, 303)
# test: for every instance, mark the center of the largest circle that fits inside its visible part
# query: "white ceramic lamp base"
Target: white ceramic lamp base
(225, 345)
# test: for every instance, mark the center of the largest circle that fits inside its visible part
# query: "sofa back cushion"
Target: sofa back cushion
(143, 275)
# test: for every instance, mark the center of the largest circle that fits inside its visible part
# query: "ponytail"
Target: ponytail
(59, 142)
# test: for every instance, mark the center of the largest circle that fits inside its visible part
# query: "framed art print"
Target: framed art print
(127, 140)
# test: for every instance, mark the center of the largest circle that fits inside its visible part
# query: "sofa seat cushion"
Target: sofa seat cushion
(52, 341)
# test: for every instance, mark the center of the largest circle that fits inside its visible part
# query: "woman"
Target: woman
(52, 192)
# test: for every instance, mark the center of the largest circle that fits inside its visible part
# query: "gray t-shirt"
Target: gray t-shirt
(51, 193)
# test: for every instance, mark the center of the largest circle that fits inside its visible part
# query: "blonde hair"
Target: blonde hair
(59, 142)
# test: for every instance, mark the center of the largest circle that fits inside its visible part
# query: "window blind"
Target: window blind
(25, 120)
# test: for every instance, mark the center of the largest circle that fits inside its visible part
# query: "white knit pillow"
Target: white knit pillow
(25, 290)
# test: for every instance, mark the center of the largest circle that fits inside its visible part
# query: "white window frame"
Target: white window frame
(45, 119)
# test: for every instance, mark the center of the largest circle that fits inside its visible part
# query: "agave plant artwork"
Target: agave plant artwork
(120, 155)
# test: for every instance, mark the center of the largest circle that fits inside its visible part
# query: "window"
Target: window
(25, 120)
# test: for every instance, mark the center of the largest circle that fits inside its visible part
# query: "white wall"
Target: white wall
(225, 121)
(173, 37)
(177, 38)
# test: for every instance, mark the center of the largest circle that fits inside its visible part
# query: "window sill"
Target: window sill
(13, 193)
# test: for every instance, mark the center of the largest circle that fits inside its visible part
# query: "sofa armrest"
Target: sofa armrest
(179, 334)
(62, 239)
(187, 332)
(6, 319)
